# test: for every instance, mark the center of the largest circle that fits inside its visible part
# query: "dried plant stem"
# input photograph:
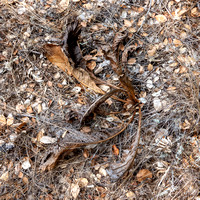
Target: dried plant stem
(117, 170)
(97, 103)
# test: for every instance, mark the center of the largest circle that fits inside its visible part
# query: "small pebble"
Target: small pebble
(102, 171)
(149, 84)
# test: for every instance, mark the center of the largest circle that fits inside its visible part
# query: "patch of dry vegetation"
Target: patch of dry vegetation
(37, 99)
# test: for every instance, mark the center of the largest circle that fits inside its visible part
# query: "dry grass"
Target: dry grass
(169, 145)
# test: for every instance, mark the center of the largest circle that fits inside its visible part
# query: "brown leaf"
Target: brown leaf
(131, 61)
(172, 88)
(152, 51)
(119, 37)
(86, 153)
(143, 174)
(91, 65)
(63, 5)
(2, 120)
(177, 43)
(195, 12)
(53, 158)
(98, 102)
(84, 78)
(150, 67)
(115, 150)
(126, 51)
(4, 176)
(56, 56)
(86, 129)
(161, 18)
(127, 23)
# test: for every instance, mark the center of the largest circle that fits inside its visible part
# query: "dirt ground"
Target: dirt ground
(40, 105)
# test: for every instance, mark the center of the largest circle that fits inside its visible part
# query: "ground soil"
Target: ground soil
(38, 99)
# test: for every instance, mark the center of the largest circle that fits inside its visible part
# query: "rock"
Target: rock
(149, 84)
(130, 194)
(47, 140)
(157, 104)
(26, 164)
(82, 182)
(156, 94)
(102, 171)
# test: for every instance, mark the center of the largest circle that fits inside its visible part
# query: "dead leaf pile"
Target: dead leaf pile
(71, 52)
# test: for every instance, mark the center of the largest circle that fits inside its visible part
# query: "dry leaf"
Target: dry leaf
(63, 5)
(75, 189)
(161, 18)
(173, 64)
(127, 23)
(95, 27)
(150, 67)
(187, 26)
(131, 61)
(10, 119)
(102, 171)
(29, 109)
(152, 51)
(141, 20)
(2, 120)
(115, 150)
(91, 65)
(39, 108)
(171, 88)
(20, 175)
(182, 69)
(185, 125)
(25, 180)
(177, 43)
(195, 12)
(40, 135)
(118, 169)
(195, 73)
(132, 30)
(4, 176)
(86, 153)
(88, 6)
(55, 55)
(143, 174)
(183, 35)
(157, 104)
(165, 41)
(47, 140)
(90, 57)
(84, 78)
(86, 129)
(119, 37)
(131, 195)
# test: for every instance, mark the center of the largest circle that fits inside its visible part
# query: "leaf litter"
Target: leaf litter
(38, 100)
(70, 39)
